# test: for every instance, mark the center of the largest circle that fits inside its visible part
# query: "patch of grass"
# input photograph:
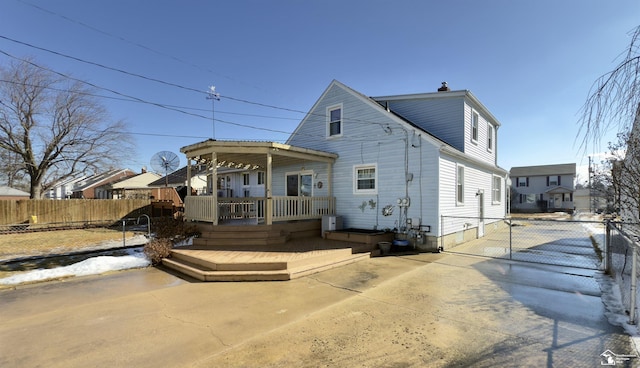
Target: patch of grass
(62, 241)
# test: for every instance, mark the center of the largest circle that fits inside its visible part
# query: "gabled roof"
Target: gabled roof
(376, 105)
(543, 170)
(558, 190)
(178, 177)
(11, 192)
(99, 178)
(426, 135)
(136, 182)
(442, 95)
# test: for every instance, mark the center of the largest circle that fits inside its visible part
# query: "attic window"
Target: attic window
(489, 137)
(334, 125)
(474, 127)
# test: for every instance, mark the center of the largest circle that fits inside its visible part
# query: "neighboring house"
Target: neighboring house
(93, 187)
(135, 187)
(393, 162)
(544, 188)
(589, 200)
(12, 194)
(63, 189)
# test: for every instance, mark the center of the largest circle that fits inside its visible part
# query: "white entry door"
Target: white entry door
(557, 200)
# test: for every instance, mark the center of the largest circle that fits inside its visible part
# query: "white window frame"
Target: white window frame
(490, 137)
(475, 126)
(340, 122)
(246, 179)
(552, 182)
(261, 177)
(356, 169)
(496, 189)
(459, 189)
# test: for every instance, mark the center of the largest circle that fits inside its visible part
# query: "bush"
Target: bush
(175, 230)
(168, 232)
(157, 249)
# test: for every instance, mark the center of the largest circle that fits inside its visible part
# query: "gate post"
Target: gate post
(607, 247)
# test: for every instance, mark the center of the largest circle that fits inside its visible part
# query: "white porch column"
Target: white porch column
(268, 215)
(329, 179)
(188, 177)
(214, 187)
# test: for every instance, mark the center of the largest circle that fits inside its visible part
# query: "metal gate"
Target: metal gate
(558, 242)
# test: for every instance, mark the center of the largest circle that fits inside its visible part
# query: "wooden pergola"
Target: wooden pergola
(248, 155)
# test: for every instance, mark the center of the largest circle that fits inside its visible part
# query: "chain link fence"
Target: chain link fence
(622, 263)
(558, 242)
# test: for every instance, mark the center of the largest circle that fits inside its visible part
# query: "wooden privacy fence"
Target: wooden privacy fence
(70, 210)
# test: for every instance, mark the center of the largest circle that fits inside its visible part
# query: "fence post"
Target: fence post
(510, 240)
(607, 247)
(634, 281)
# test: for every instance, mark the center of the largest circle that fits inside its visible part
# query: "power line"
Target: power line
(306, 113)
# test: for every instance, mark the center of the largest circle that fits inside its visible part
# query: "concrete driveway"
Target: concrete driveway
(436, 310)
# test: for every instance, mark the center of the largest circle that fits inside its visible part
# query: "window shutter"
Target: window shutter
(571, 197)
(527, 181)
(517, 181)
(559, 182)
(547, 181)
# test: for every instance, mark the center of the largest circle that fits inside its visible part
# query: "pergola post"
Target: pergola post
(188, 177)
(268, 215)
(214, 187)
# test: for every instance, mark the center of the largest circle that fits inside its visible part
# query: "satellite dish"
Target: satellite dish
(166, 162)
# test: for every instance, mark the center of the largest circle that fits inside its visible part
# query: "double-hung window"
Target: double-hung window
(496, 189)
(490, 137)
(334, 123)
(475, 119)
(460, 185)
(365, 179)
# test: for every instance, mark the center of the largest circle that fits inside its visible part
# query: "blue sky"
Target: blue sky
(531, 63)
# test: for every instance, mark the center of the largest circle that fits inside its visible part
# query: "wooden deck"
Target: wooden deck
(295, 258)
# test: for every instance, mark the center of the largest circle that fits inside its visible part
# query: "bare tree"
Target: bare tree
(55, 126)
(614, 98)
(614, 103)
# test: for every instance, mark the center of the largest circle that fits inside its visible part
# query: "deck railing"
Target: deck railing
(284, 208)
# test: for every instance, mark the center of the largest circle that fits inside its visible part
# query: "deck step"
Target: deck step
(208, 275)
(239, 239)
(308, 270)
(240, 268)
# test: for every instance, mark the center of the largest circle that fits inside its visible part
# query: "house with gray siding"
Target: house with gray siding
(543, 188)
(418, 163)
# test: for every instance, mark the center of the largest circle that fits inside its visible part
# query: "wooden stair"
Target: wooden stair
(229, 265)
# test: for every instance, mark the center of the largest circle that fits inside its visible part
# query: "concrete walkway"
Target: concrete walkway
(436, 310)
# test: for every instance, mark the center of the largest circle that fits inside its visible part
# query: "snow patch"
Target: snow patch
(91, 266)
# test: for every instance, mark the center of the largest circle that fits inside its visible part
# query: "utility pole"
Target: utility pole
(213, 96)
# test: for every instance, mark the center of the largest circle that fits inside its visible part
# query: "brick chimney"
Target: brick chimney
(444, 87)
